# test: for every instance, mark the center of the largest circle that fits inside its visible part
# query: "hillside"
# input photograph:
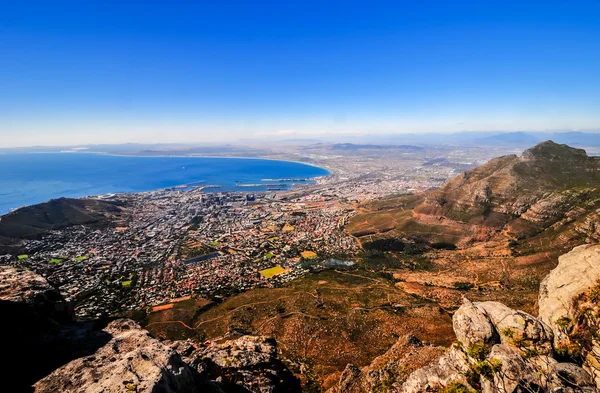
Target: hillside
(32, 222)
(523, 195)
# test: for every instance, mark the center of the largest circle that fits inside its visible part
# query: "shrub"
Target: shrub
(463, 286)
(456, 387)
(487, 368)
(478, 351)
(508, 332)
(563, 323)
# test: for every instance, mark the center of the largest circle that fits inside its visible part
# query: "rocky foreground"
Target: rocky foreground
(498, 349)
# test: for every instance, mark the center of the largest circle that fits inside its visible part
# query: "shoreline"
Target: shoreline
(97, 196)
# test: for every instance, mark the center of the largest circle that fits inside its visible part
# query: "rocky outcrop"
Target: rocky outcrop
(514, 326)
(32, 293)
(577, 271)
(570, 302)
(393, 367)
(500, 350)
(131, 361)
(248, 363)
(36, 329)
(509, 351)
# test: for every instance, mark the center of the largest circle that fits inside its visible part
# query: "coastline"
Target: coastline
(180, 185)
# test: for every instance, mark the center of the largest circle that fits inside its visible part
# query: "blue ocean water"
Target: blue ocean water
(27, 179)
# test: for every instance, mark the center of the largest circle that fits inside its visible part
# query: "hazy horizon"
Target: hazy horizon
(76, 73)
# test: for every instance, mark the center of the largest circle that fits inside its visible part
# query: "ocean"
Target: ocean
(27, 179)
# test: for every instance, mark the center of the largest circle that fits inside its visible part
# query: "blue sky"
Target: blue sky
(174, 71)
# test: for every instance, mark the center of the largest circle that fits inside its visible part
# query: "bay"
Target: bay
(27, 179)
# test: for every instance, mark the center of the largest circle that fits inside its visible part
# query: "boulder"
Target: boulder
(131, 361)
(452, 366)
(570, 377)
(249, 362)
(33, 294)
(514, 368)
(471, 325)
(517, 327)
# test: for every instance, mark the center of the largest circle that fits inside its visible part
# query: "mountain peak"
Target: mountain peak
(550, 150)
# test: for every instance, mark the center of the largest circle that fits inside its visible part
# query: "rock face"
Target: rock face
(406, 356)
(31, 291)
(569, 301)
(577, 271)
(131, 361)
(33, 313)
(248, 363)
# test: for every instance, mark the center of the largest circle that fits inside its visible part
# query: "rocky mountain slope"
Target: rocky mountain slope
(523, 194)
(496, 230)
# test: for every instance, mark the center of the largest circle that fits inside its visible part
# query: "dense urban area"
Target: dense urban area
(171, 244)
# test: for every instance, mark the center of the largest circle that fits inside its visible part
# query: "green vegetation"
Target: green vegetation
(456, 387)
(126, 284)
(564, 323)
(81, 258)
(594, 294)
(215, 243)
(487, 368)
(508, 332)
(55, 261)
(269, 255)
(478, 351)
(572, 350)
(22, 256)
(529, 353)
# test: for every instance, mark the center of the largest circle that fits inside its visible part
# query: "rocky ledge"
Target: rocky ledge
(131, 361)
(67, 356)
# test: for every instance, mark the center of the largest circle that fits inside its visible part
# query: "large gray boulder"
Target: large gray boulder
(514, 367)
(562, 296)
(518, 328)
(471, 325)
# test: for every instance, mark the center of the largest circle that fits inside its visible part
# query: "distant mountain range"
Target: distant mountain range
(257, 146)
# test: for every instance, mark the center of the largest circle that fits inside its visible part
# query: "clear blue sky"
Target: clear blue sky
(173, 71)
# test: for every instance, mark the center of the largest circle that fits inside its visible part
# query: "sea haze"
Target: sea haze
(28, 179)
